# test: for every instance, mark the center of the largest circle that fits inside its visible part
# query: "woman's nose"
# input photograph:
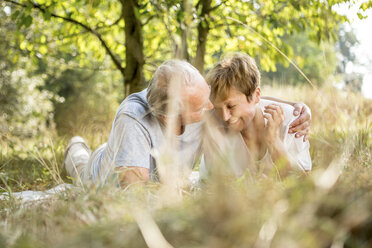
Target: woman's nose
(226, 114)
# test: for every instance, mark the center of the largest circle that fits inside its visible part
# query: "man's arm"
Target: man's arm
(130, 175)
(300, 126)
(130, 146)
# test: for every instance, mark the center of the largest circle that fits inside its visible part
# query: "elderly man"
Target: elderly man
(176, 98)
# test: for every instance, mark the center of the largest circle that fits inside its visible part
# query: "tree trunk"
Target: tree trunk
(186, 8)
(134, 59)
(203, 30)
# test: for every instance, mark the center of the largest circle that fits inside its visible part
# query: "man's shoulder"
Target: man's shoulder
(134, 111)
(135, 106)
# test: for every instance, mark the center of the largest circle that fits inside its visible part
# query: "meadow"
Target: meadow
(331, 207)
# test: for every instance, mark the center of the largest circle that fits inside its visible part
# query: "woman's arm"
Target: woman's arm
(275, 117)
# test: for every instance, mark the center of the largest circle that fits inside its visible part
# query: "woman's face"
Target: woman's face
(235, 111)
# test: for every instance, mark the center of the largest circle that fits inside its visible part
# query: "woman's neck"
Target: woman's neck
(254, 133)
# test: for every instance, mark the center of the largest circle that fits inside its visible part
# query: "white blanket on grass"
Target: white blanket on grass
(30, 195)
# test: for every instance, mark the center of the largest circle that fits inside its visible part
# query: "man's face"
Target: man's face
(235, 111)
(196, 101)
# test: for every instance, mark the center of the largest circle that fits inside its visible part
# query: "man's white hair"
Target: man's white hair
(167, 84)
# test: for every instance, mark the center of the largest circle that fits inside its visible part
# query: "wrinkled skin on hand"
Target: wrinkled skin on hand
(301, 126)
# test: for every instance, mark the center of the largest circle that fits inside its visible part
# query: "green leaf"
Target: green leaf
(361, 17)
(30, 47)
(15, 15)
(364, 6)
(96, 3)
(43, 49)
(137, 13)
(29, 6)
(27, 21)
(42, 39)
(23, 45)
(47, 15)
(204, 23)
(15, 58)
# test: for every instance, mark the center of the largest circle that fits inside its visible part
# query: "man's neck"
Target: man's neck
(179, 127)
(255, 128)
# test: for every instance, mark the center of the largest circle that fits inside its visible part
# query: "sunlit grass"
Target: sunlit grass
(329, 208)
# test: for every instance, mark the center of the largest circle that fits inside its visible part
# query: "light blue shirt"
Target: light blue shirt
(135, 135)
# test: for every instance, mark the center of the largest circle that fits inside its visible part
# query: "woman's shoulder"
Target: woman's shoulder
(287, 109)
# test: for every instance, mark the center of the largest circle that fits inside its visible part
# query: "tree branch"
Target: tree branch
(110, 25)
(217, 6)
(148, 20)
(84, 26)
(197, 4)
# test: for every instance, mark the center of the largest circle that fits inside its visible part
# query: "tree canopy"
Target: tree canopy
(137, 35)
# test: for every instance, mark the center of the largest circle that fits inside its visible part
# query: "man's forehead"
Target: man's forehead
(196, 94)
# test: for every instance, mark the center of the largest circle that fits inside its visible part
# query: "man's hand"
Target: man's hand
(301, 126)
(131, 174)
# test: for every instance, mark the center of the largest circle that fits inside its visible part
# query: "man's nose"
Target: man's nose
(209, 105)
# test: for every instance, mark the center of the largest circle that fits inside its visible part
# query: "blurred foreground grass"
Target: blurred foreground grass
(330, 208)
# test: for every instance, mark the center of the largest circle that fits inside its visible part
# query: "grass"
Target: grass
(330, 208)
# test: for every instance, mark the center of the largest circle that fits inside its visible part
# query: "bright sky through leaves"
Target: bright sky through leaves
(362, 29)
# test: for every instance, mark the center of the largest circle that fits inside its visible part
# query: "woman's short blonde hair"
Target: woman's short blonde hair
(172, 75)
(238, 71)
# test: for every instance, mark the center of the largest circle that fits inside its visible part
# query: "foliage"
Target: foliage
(36, 94)
(345, 44)
(317, 61)
(89, 101)
(25, 111)
(173, 29)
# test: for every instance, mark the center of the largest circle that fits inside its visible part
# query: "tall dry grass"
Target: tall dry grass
(332, 207)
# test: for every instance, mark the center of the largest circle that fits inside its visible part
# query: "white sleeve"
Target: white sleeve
(298, 151)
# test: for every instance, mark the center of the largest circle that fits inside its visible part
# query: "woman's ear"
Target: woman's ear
(257, 95)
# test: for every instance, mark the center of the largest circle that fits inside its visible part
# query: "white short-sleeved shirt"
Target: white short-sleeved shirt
(136, 135)
(233, 146)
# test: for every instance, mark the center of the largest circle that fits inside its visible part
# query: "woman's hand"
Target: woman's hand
(275, 117)
(300, 126)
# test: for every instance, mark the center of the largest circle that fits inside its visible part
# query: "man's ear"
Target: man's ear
(257, 95)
